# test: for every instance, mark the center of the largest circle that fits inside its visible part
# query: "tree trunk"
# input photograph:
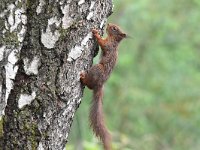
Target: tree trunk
(44, 45)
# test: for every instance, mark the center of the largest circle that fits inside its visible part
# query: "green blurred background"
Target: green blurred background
(152, 99)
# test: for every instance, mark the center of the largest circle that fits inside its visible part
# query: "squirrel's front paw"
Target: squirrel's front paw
(94, 31)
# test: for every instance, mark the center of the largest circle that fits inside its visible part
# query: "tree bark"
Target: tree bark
(44, 45)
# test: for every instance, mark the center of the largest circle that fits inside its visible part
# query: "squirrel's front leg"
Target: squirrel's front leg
(100, 40)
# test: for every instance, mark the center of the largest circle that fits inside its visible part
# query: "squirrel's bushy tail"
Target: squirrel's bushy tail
(97, 119)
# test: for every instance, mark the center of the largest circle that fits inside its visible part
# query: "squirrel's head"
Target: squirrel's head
(115, 32)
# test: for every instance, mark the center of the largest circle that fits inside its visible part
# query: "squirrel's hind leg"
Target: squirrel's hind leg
(83, 77)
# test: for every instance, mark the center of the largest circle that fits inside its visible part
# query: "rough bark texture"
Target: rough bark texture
(44, 45)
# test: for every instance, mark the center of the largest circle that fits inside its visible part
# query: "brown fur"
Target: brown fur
(96, 77)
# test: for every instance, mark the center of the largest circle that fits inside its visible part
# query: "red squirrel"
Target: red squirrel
(96, 76)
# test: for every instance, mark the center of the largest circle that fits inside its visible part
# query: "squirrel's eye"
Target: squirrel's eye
(114, 29)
